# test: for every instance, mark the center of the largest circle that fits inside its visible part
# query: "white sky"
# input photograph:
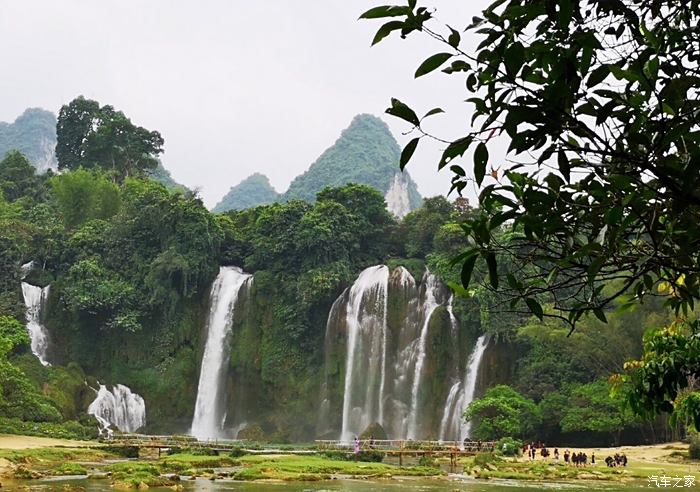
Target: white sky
(233, 86)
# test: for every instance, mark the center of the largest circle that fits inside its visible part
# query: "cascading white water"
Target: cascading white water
(470, 385)
(34, 298)
(397, 199)
(447, 421)
(209, 417)
(366, 352)
(429, 305)
(381, 327)
(119, 407)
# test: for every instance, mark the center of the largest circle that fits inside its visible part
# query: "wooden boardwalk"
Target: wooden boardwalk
(396, 448)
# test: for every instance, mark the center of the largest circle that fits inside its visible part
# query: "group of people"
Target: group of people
(577, 459)
(617, 460)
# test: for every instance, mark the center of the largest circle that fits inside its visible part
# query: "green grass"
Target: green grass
(68, 469)
(177, 463)
(132, 474)
(523, 469)
(291, 467)
(54, 456)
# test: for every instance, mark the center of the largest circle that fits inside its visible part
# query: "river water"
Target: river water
(394, 485)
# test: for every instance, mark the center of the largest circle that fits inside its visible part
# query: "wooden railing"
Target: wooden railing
(407, 445)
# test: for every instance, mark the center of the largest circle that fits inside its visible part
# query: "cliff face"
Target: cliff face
(33, 134)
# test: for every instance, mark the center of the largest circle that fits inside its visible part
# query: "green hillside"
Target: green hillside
(33, 133)
(253, 191)
(365, 153)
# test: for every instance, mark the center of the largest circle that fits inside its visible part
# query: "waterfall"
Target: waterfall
(119, 407)
(366, 352)
(397, 199)
(209, 415)
(429, 304)
(400, 355)
(35, 299)
(448, 413)
(470, 384)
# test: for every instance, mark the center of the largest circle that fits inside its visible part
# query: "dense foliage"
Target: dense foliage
(253, 191)
(598, 103)
(90, 135)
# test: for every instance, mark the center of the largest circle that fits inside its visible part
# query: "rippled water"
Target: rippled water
(395, 485)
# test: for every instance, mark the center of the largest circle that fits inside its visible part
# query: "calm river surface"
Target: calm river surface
(413, 485)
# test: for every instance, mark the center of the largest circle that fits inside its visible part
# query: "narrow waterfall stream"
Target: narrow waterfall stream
(209, 414)
(470, 384)
(429, 304)
(34, 298)
(366, 350)
(119, 407)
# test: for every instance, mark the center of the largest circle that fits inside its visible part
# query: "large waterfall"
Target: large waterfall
(119, 407)
(399, 351)
(34, 298)
(209, 413)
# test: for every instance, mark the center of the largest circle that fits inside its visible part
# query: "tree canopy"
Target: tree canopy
(597, 102)
(90, 135)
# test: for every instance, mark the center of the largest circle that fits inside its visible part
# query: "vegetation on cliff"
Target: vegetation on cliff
(33, 134)
(253, 191)
(365, 153)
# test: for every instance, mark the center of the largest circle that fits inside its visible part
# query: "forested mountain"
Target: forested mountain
(253, 191)
(124, 278)
(162, 176)
(365, 153)
(33, 134)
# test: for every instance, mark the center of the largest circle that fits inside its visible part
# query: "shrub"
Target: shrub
(483, 459)
(509, 447)
(694, 448)
(237, 452)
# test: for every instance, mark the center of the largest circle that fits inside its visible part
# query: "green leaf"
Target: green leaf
(432, 63)
(534, 307)
(493, 269)
(454, 38)
(481, 158)
(400, 110)
(458, 170)
(433, 111)
(386, 29)
(514, 58)
(467, 269)
(407, 152)
(385, 11)
(600, 315)
(564, 167)
(455, 149)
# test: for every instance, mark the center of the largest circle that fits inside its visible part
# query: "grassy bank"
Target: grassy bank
(291, 467)
(487, 466)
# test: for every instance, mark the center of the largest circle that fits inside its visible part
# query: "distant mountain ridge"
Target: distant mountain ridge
(33, 134)
(366, 153)
(253, 191)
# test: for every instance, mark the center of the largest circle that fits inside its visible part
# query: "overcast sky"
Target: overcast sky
(233, 86)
